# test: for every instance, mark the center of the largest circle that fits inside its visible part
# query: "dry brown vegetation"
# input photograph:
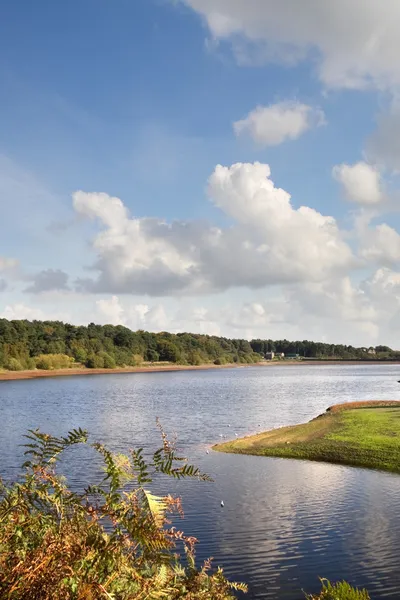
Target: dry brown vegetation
(363, 404)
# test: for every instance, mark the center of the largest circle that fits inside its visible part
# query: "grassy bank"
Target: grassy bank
(364, 434)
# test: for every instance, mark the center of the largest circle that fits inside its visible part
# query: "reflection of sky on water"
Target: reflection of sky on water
(285, 523)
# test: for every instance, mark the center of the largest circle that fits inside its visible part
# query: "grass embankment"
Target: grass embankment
(363, 434)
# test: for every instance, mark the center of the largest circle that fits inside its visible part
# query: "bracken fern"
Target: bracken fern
(114, 540)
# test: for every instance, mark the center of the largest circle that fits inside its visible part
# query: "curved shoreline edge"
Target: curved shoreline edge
(360, 434)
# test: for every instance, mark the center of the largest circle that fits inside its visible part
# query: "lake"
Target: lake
(285, 523)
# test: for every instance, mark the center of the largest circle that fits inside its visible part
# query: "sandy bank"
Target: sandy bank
(36, 373)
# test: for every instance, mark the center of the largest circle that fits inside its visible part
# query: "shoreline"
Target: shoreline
(358, 434)
(38, 373)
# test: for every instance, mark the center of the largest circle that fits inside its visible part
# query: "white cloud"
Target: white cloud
(383, 287)
(269, 242)
(111, 311)
(19, 311)
(361, 182)
(354, 43)
(137, 316)
(272, 125)
(380, 244)
(336, 310)
(338, 300)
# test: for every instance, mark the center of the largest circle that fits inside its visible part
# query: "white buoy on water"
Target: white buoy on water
(222, 503)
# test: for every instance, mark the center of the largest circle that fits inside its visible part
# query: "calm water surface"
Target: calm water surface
(285, 523)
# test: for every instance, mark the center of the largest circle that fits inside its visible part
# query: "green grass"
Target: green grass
(364, 436)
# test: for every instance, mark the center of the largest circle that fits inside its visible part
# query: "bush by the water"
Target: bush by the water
(339, 591)
(14, 364)
(113, 540)
(54, 361)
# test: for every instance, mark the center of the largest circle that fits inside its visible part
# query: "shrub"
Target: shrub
(194, 358)
(339, 591)
(95, 361)
(14, 364)
(123, 358)
(53, 361)
(80, 355)
(30, 363)
(108, 361)
(137, 360)
(152, 355)
(220, 361)
(114, 540)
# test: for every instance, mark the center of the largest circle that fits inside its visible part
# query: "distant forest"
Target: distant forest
(53, 344)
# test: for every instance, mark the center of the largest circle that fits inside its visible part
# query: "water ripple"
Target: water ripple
(285, 523)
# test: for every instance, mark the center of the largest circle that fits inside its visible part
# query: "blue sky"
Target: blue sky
(138, 100)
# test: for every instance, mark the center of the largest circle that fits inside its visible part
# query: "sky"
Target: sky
(228, 167)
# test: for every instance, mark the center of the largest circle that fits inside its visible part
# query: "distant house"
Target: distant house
(269, 355)
(292, 356)
(371, 351)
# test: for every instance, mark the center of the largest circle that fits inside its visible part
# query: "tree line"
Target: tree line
(310, 349)
(54, 344)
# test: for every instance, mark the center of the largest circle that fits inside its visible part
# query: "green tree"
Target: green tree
(168, 351)
(152, 355)
(108, 361)
(95, 361)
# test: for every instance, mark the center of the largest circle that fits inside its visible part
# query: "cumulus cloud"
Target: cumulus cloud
(383, 288)
(136, 316)
(274, 124)
(268, 242)
(22, 311)
(48, 280)
(339, 300)
(380, 244)
(336, 310)
(355, 43)
(361, 182)
(111, 310)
